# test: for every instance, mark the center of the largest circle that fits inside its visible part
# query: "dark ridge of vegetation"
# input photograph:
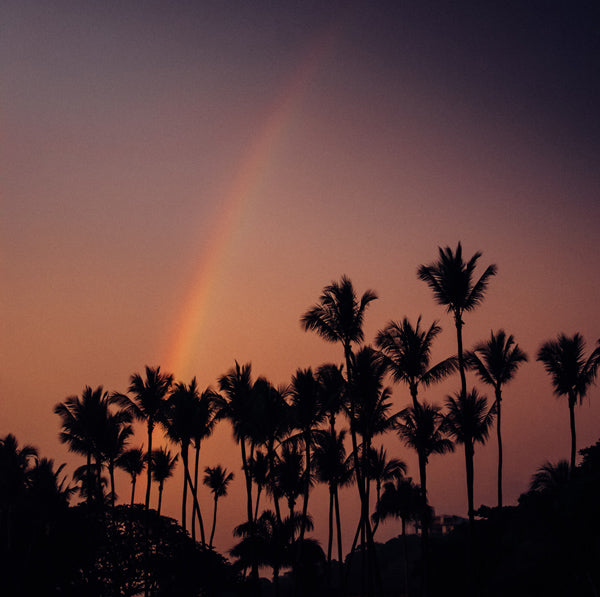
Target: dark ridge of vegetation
(321, 428)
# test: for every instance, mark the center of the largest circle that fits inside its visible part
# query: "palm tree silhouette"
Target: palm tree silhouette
(217, 479)
(259, 469)
(571, 373)
(551, 478)
(451, 280)
(381, 470)
(339, 317)
(496, 362)
(15, 470)
(307, 414)
(163, 467)
(205, 417)
(468, 421)
(288, 474)
(149, 404)
(402, 499)
(236, 386)
(407, 355)
(332, 466)
(83, 425)
(133, 463)
(333, 391)
(113, 440)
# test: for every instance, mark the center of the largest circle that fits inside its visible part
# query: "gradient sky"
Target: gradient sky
(181, 179)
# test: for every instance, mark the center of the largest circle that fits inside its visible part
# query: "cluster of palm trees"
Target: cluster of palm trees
(323, 426)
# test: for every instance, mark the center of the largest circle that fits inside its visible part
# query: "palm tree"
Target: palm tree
(259, 469)
(83, 426)
(338, 317)
(206, 415)
(113, 440)
(468, 421)
(217, 479)
(236, 386)
(402, 499)
(307, 413)
(571, 373)
(288, 474)
(163, 467)
(551, 478)
(148, 404)
(15, 470)
(333, 390)
(132, 462)
(407, 354)
(423, 429)
(381, 470)
(496, 362)
(332, 466)
(451, 280)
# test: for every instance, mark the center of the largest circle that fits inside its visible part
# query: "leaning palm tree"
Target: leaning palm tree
(149, 404)
(571, 373)
(496, 362)
(132, 462)
(407, 354)
(217, 480)
(163, 467)
(468, 421)
(451, 280)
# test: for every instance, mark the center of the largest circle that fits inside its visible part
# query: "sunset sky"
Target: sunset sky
(181, 179)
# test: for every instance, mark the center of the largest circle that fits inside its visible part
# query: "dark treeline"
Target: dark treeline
(61, 537)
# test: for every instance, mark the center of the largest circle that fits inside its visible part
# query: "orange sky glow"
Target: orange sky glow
(181, 180)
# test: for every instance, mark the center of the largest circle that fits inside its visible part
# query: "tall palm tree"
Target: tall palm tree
(468, 421)
(206, 415)
(332, 466)
(272, 422)
(571, 373)
(133, 463)
(163, 467)
(288, 474)
(217, 479)
(453, 285)
(496, 362)
(339, 317)
(237, 388)
(407, 354)
(149, 404)
(307, 415)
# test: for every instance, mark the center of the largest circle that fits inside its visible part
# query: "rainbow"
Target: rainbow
(245, 184)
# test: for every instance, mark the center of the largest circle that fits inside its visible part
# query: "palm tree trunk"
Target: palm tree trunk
(424, 522)
(248, 478)
(330, 529)
(306, 488)
(339, 535)
(461, 360)
(405, 546)
(196, 506)
(133, 479)
(184, 457)
(214, 524)
(469, 453)
(160, 490)
(111, 472)
(572, 400)
(499, 434)
(149, 463)
(194, 489)
(258, 492)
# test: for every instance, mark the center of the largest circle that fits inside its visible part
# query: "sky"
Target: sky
(180, 180)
